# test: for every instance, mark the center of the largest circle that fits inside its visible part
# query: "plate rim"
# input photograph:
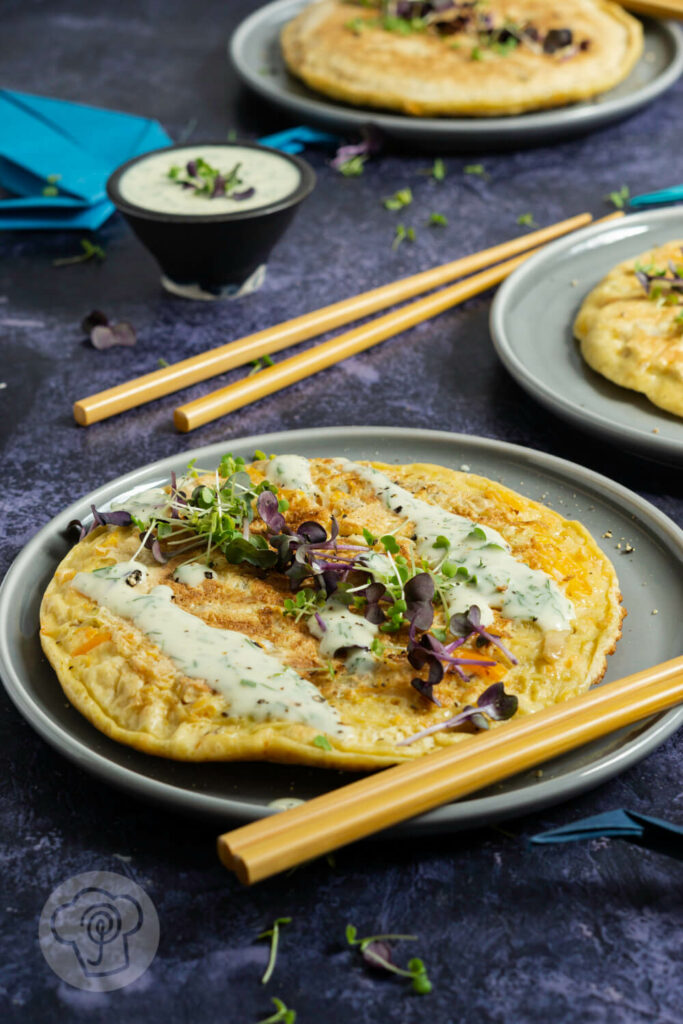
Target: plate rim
(657, 447)
(573, 118)
(451, 817)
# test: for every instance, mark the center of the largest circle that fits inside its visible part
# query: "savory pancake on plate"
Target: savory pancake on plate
(433, 58)
(325, 612)
(631, 326)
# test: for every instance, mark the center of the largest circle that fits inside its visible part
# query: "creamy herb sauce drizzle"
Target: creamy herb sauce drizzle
(343, 628)
(291, 471)
(193, 574)
(255, 685)
(496, 579)
(145, 505)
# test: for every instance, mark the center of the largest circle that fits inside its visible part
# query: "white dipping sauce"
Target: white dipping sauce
(255, 685)
(146, 504)
(147, 184)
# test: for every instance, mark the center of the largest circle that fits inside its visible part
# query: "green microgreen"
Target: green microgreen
(260, 364)
(476, 170)
(368, 538)
(402, 233)
(504, 48)
(377, 647)
(476, 53)
(354, 166)
(390, 544)
(51, 187)
(282, 1014)
(438, 220)
(375, 951)
(161, 362)
(322, 742)
(526, 220)
(205, 180)
(438, 171)
(274, 935)
(619, 197)
(91, 251)
(304, 604)
(403, 197)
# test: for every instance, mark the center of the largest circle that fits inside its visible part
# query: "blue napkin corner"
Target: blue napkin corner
(650, 833)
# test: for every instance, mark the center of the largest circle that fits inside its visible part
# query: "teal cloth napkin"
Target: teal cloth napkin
(651, 833)
(41, 138)
(664, 195)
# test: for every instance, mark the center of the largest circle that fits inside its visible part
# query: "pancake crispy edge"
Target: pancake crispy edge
(136, 695)
(426, 75)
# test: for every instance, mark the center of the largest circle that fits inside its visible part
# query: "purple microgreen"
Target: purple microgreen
(493, 702)
(376, 952)
(350, 159)
(373, 594)
(274, 935)
(267, 506)
(210, 182)
(245, 193)
(104, 336)
(96, 318)
(469, 622)
(419, 595)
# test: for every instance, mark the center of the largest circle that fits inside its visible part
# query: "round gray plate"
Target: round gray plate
(650, 578)
(531, 326)
(255, 52)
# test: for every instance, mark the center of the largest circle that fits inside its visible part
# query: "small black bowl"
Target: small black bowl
(212, 256)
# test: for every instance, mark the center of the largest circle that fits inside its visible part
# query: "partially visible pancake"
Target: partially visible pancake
(494, 58)
(125, 684)
(634, 338)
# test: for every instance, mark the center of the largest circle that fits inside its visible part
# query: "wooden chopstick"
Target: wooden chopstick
(344, 815)
(236, 353)
(281, 375)
(655, 8)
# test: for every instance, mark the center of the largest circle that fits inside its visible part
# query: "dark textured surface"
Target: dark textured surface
(588, 933)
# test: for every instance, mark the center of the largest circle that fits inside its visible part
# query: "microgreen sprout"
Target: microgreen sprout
(619, 197)
(376, 952)
(403, 197)
(437, 220)
(322, 742)
(91, 251)
(274, 935)
(438, 170)
(402, 233)
(303, 604)
(282, 1014)
(475, 170)
(201, 178)
(51, 187)
(526, 220)
(493, 702)
(260, 364)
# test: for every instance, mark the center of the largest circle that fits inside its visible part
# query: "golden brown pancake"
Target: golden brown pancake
(502, 57)
(635, 337)
(116, 670)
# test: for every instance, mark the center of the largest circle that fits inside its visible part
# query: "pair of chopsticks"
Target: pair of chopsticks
(215, 361)
(655, 8)
(273, 844)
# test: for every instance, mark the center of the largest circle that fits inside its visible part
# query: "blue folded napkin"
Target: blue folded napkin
(651, 833)
(74, 148)
(295, 140)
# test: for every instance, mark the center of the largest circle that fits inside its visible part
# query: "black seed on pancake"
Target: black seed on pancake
(556, 39)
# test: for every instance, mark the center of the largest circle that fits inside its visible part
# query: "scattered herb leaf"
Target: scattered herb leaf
(322, 742)
(619, 197)
(438, 220)
(376, 952)
(91, 251)
(526, 220)
(274, 935)
(282, 1014)
(403, 197)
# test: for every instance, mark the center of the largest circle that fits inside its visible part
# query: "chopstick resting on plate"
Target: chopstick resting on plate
(281, 375)
(236, 353)
(273, 844)
(655, 8)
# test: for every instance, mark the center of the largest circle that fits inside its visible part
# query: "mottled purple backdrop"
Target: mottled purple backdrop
(588, 933)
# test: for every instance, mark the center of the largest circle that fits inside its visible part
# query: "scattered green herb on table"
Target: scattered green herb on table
(401, 234)
(526, 220)
(376, 952)
(353, 167)
(438, 220)
(274, 935)
(403, 197)
(619, 197)
(51, 187)
(161, 362)
(476, 170)
(283, 1013)
(91, 251)
(260, 364)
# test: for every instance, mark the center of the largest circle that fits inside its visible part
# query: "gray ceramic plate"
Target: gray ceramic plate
(531, 325)
(650, 578)
(255, 52)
